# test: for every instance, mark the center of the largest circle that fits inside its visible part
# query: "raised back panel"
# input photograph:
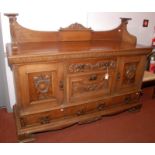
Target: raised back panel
(26, 35)
(108, 35)
(75, 32)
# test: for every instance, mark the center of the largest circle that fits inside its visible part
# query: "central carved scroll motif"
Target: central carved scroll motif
(84, 67)
(80, 87)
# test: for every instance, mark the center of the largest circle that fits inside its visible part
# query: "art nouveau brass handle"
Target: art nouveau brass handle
(61, 85)
(44, 120)
(127, 99)
(93, 77)
(80, 112)
(101, 106)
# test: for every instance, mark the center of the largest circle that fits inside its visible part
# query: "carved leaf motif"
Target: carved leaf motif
(83, 67)
(75, 26)
(130, 73)
(42, 83)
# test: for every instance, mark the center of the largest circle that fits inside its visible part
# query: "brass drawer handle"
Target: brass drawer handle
(138, 95)
(93, 77)
(101, 106)
(127, 99)
(80, 112)
(44, 120)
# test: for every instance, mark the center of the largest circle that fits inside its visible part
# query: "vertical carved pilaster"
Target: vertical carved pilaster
(12, 20)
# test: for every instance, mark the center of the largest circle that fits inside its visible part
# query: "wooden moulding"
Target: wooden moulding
(74, 32)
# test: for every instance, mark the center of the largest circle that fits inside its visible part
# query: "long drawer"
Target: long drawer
(78, 110)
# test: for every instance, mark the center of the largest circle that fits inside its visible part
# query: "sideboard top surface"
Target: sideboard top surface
(72, 47)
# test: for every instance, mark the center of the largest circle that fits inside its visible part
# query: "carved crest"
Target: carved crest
(75, 26)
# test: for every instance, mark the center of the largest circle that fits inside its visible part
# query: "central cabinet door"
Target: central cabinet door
(89, 79)
(86, 87)
(40, 85)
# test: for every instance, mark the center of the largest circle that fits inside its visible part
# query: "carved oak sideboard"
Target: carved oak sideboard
(74, 75)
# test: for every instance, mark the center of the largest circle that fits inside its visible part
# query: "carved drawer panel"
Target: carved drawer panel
(76, 110)
(89, 65)
(131, 98)
(97, 106)
(88, 86)
(42, 118)
(47, 117)
(113, 101)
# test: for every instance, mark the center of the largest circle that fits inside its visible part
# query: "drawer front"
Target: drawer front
(114, 101)
(83, 87)
(47, 117)
(42, 118)
(90, 65)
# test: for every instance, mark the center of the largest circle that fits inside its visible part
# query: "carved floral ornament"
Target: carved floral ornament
(130, 73)
(75, 26)
(82, 67)
(42, 84)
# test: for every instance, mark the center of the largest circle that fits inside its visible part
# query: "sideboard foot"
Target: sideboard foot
(135, 109)
(24, 138)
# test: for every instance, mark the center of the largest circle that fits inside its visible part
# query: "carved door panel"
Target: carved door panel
(129, 73)
(38, 85)
(85, 87)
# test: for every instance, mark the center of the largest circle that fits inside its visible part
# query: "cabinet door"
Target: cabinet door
(85, 87)
(129, 73)
(39, 85)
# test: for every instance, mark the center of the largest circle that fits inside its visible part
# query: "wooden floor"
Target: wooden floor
(125, 127)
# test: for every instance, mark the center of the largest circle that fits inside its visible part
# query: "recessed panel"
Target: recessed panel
(41, 86)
